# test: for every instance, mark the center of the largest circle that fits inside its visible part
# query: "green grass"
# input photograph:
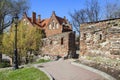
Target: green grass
(23, 74)
(42, 61)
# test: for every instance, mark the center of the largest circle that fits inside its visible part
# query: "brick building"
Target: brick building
(100, 38)
(59, 38)
(51, 26)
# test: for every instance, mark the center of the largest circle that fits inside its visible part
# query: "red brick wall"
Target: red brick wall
(50, 32)
(60, 44)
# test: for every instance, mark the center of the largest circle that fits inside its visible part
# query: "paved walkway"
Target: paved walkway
(63, 70)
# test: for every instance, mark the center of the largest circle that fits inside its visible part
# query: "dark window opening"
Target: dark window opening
(84, 36)
(62, 41)
(50, 42)
(100, 36)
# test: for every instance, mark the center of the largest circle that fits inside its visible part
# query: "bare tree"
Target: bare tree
(8, 9)
(78, 17)
(112, 10)
(90, 13)
(92, 10)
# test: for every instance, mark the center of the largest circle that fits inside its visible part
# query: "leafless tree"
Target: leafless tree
(92, 10)
(8, 9)
(78, 17)
(90, 13)
(112, 10)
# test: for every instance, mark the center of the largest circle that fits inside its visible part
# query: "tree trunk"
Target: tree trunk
(0, 57)
(1, 45)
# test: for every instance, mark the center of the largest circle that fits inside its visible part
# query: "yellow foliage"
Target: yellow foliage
(28, 38)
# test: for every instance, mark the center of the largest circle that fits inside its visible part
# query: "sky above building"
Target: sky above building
(61, 7)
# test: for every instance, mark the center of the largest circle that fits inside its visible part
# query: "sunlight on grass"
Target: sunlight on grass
(23, 74)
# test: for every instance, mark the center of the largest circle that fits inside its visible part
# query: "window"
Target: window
(50, 27)
(62, 41)
(53, 27)
(24, 21)
(100, 36)
(53, 24)
(57, 26)
(28, 23)
(50, 42)
(84, 36)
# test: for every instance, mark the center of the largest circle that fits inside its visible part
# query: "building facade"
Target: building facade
(59, 39)
(51, 26)
(100, 38)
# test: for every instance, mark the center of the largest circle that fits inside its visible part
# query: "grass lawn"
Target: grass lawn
(23, 74)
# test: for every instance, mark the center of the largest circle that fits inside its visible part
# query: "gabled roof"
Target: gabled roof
(61, 20)
(44, 22)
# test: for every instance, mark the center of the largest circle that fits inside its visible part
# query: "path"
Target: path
(63, 70)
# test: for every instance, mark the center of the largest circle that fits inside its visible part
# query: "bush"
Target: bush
(4, 64)
(42, 61)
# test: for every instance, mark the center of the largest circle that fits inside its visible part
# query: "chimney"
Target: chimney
(53, 13)
(24, 14)
(33, 17)
(39, 18)
(65, 17)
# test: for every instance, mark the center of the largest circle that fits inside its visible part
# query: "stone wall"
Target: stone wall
(60, 45)
(100, 38)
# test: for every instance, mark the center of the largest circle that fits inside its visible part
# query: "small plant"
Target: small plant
(42, 61)
(4, 64)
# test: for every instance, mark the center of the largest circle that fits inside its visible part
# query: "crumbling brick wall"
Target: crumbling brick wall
(100, 38)
(60, 44)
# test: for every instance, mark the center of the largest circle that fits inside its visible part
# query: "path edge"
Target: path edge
(41, 69)
(103, 74)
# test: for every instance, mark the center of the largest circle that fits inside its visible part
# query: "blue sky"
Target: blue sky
(61, 7)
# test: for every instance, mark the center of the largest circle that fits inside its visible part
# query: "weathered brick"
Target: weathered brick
(60, 45)
(102, 38)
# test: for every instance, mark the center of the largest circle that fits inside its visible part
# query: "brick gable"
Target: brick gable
(51, 26)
